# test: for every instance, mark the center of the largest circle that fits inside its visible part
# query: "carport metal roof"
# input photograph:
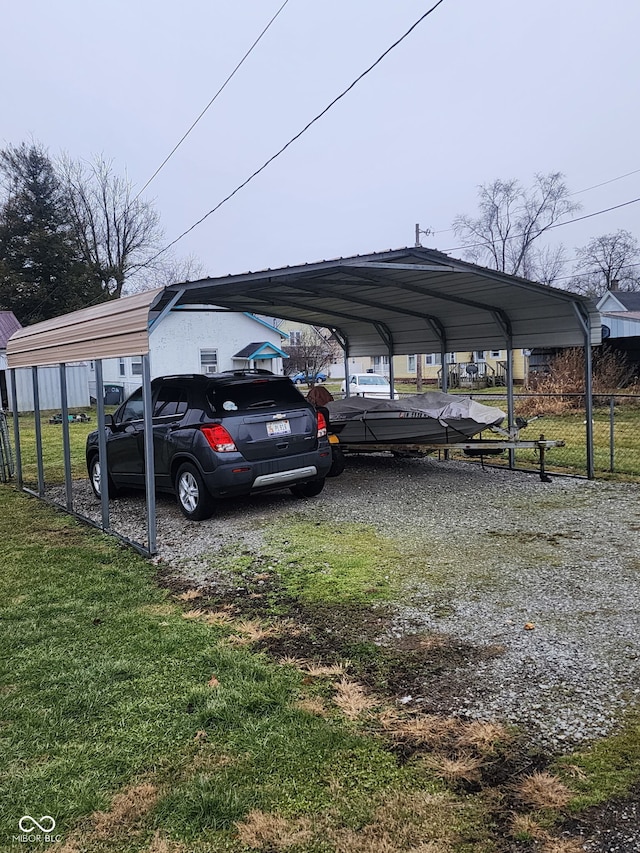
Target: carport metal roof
(402, 301)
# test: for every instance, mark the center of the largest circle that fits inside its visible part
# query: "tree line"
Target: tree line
(72, 234)
(506, 233)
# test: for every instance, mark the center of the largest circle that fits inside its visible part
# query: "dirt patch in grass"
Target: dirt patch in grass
(128, 812)
(425, 667)
(611, 826)
(354, 662)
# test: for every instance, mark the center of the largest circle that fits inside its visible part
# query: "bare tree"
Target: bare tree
(117, 234)
(170, 270)
(611, 260)
(511, 218)
(312, 352)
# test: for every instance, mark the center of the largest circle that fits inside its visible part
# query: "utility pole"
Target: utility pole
(426, 232)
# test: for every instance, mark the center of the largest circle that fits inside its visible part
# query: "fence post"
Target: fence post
(612, 405)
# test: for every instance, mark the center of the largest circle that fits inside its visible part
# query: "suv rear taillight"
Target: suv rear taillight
(322, 425)
(219, 439)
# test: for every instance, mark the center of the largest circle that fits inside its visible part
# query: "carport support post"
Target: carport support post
(347, 392)
(36, 415)
(510, 402)
(66, 444)
(445, 371)
(391, 375)
(16, 428)
(149, 468)
(102, 447)
(585, 322)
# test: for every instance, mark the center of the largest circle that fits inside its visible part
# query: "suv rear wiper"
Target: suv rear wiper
(263, 404)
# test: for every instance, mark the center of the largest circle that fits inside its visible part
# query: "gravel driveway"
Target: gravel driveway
(494, 551)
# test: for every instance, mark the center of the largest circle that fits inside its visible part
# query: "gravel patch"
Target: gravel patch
(547, 573)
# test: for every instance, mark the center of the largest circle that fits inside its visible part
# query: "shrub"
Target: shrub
(565, 381)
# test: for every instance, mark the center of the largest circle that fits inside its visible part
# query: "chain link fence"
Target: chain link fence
(6, 455)
(616, 429)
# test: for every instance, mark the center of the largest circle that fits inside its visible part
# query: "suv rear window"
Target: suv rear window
(256, 394)
(171, 401)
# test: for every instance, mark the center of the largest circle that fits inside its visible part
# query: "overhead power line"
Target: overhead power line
(550, 227)
(577, 192)
(604, 183)
(304, 130)
(220, 90)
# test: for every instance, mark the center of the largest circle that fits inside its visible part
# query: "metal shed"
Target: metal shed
(404, 301)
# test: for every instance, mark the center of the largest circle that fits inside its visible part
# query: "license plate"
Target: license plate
(278, 428)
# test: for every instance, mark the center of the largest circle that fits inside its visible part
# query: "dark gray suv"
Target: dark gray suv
(216, 436)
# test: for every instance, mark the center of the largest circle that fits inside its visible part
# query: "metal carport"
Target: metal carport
(398, 302)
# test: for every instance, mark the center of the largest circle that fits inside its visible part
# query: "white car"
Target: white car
(368, 385)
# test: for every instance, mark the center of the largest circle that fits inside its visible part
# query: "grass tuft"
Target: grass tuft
(351, 698)
(429, 730)
(484, 736)
(454, 769)
(265, 831)
(313, 705)
(524, 827)
(128, 812)
(563, 845)
(251, 631)
(543, 791)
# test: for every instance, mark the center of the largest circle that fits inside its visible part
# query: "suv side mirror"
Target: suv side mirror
(110, 422)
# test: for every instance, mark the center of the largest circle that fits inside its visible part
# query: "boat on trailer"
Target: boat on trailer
(432, 418)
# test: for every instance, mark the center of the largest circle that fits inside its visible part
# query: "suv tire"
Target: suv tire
(307, 490)
(95, 478)
(194, 499)
(338, 462)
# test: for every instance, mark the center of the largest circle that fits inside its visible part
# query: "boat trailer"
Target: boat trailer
(478, 448)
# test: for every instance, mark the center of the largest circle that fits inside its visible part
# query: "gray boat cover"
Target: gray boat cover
(434, 404)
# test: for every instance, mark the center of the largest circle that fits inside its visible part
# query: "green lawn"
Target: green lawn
(127, 722)
(52, 449)
(145, 720)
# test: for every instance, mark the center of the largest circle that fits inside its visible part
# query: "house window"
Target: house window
(479, 354)
(295, 338)
(136, 366)
(122, 369)
(209, 360)
(432, 358)
(411, 363)
(496, 353)
(381, 364)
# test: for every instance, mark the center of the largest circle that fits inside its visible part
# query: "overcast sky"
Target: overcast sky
(480, 90)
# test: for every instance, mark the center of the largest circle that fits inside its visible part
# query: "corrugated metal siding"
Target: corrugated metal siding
(117, 328)
(49, 388)
(622, 327)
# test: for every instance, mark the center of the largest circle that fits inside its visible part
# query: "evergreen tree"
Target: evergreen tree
(42, 274)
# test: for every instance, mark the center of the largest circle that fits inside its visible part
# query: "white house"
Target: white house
(620, 311)
(196, 339)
